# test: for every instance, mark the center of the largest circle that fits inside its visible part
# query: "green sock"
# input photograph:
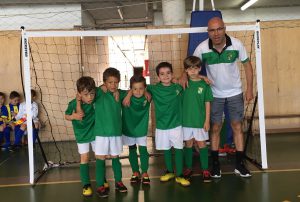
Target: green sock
(133, 159)
(144, 157)
(204, 158)
(84, 174)
(117, 168)
(179, 161)
(168, 160)
(105, 171)
(188, 157)
(100, 172)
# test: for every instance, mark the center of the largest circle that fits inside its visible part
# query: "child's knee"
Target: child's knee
(114, 157)
(23, 127)
(201, 144)
(84, 158)
(101, 157)
(189, 143)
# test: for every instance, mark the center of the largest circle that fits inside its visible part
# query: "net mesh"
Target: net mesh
(57, 62)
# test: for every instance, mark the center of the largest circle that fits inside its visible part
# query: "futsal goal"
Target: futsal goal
(54, 60)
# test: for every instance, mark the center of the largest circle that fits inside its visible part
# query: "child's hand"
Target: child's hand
(126, 100)
(148, 96)
(206, 126)
(103, 88)
(206, 79)
(174, 80)
(77, 116)
(78, 97)
(183, 81)
(13, 114)
(116, 96)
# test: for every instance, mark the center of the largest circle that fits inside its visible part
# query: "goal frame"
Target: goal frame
(26, 35)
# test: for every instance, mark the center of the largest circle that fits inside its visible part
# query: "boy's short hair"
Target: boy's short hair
(137, 79)
(192, 61)
(2, 95)
(85, 82)
(163, 64)
(14, 94)
(33, 93)
(111, 72)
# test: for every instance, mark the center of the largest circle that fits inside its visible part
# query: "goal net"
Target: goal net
(54, 60)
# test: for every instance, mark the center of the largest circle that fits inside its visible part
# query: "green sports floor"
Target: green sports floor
(281, 182)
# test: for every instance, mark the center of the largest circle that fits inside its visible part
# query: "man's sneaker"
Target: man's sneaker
(102, 192)
(216, 172)
(187, 174)
(135, 177)
(145, 179)
(241, 170)
(106, 185)
(87, 190)
(167, 176)
(206, 176)
(181, 180)
(121, 187)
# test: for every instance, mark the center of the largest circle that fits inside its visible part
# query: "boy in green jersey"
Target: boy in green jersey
(196, 116)
(108, 131)
(167, 100)
(135, 127)
(82, 114)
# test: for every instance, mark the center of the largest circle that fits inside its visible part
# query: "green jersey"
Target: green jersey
(167, 101)
(194, 99)
(84, 129)
(136, 117)
(108, 121)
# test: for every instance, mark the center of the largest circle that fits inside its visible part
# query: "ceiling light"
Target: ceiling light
(248, 4)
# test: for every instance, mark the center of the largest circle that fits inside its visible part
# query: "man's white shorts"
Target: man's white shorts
(198, 133)
(165, 139)
(108, 145)
(142, 141)
(85, 147)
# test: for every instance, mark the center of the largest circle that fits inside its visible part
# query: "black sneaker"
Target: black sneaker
(102, 192)
(241, 170)
(216, 172)
(135, 177)
(187, 174)
(145, 179)
(121, 187)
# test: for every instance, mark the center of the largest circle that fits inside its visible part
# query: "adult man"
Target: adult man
(219, 54)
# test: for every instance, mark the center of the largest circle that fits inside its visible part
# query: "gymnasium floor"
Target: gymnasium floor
(281, 182)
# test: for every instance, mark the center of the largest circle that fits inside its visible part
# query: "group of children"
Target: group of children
(99, 118)
(13, 118)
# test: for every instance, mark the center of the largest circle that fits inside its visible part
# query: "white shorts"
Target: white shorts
(165, 139)
(108, 145)
(142, 141)
(85, 147)
(198, 133)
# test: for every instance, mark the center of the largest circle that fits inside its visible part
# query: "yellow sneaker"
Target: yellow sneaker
(182, 181)
(106, 185)
(167, 176)
(87, 190)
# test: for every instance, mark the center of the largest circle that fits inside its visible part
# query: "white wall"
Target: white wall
(250, 15)
(40, 17)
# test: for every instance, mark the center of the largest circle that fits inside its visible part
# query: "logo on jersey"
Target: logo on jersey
(177, 92)
(144, 103)
(229, 56)
(200, 90)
